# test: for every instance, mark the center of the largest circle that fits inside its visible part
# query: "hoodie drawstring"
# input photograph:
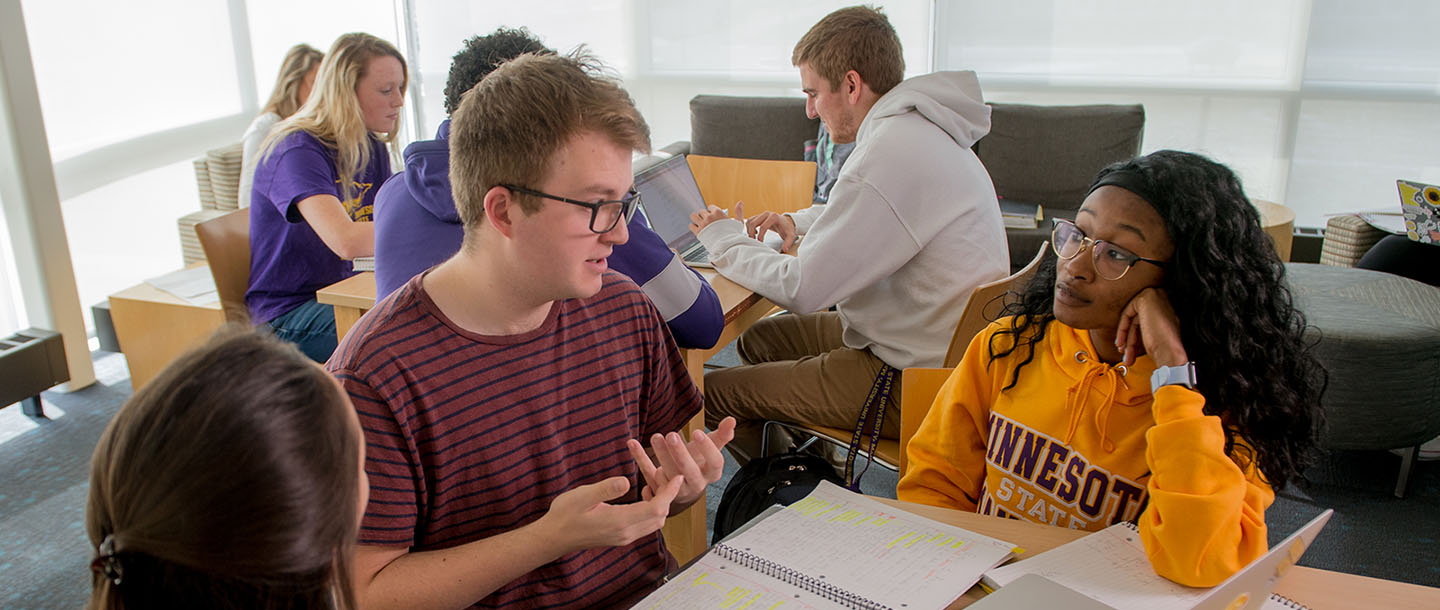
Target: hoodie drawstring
(1077, 393)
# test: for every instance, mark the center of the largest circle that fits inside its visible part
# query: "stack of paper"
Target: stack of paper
(195, 285)
(1019, 215)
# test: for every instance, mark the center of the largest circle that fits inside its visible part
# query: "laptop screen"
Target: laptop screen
(668, 195)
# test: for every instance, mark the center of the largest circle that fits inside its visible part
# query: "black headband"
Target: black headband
(1129, 180)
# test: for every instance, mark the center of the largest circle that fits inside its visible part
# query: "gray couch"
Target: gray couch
(1035, 154)
(1378, 337)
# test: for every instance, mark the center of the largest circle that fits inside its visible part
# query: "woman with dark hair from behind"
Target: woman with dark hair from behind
(292, 90)
(234, 479)
(1155, 372)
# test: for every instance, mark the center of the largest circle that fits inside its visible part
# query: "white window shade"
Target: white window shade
(277, 25)
(112, 71)
(441, 27)
(1225, 43)
(666, 52)
(12, 307)
(124, 232)
(1387, 45)
(751, 40)
(1319, 104)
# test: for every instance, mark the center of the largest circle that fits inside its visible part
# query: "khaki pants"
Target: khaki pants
(799, 371)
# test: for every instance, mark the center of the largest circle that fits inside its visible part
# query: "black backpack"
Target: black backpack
(766, 481)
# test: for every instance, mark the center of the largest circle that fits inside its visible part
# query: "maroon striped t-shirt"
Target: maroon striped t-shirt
(469, 436)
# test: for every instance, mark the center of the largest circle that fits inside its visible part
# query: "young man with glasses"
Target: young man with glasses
(502, 392)
(418, 227)
(911, 228)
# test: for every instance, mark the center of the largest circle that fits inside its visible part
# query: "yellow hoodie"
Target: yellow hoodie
(1082, 444)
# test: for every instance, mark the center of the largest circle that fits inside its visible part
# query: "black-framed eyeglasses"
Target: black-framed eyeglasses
(1111, 261)
(604, 215)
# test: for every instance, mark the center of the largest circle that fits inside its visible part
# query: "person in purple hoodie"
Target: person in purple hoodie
(417, 227)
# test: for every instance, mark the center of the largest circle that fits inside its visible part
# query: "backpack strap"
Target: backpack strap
(871, 420)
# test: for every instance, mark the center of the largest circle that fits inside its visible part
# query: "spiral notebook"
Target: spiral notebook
(1110, 567)
(835, 549)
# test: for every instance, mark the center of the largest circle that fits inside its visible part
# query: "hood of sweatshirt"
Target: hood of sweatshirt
(950, 100)
(427, 175)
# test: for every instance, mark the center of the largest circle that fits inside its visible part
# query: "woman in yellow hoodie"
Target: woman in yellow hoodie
(1154, 371)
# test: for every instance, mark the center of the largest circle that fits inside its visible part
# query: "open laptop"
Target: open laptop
(1247, 589)
(1420, 204)
(668, 196)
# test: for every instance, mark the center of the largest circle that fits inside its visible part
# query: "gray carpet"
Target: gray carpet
(45, 464)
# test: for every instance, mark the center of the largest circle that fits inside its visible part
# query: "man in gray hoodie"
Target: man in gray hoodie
(911, 228)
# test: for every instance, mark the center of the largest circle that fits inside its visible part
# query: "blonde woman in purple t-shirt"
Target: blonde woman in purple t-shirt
(315, 186)
(292, 88)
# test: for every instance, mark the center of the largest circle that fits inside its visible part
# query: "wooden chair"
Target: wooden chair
(226, 241)
(918, 387)
(764, 186)
(887, 451)
(975, 317)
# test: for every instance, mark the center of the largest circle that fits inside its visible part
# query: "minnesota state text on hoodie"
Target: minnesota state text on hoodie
(1083, 444)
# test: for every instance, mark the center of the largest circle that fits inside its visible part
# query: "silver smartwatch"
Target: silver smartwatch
(1173, 375)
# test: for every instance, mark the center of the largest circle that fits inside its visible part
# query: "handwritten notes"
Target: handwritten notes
(836, 549)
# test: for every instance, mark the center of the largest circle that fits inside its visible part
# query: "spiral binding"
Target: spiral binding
(1287, 602)
(788, 576)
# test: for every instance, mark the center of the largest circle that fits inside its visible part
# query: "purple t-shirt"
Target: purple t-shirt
(288, 261)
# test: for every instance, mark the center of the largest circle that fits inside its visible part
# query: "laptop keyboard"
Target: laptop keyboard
(697, 254)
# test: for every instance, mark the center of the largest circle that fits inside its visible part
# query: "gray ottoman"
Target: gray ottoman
(1379, 338)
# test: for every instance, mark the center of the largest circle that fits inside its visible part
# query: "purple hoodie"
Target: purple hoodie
(417, 227)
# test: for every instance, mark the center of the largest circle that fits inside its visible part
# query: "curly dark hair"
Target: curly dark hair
(482, 54)
(1238, 320)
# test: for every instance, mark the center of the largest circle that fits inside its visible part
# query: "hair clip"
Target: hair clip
(107, 564)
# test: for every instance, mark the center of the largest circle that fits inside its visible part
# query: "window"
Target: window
(111, 71)
(666, 52)
(1319, 105)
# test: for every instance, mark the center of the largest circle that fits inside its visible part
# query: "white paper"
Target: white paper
(873, 550)
(718, 583)
(194, 285)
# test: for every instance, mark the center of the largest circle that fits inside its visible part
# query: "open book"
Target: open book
(1110, 566)
(835, 549)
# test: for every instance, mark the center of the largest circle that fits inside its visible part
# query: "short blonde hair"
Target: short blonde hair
(298, 62)
(858, 38)
(333, 115)
(509, 127)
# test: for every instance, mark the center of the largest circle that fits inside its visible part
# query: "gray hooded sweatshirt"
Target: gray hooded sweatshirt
(912, 227)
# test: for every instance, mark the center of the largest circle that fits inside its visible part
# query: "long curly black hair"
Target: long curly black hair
(482, 54)
(1237, 317)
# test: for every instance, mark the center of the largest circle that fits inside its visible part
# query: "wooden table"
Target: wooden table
(154, 327)
(351, 298)
(685, 532)
(1317, 589)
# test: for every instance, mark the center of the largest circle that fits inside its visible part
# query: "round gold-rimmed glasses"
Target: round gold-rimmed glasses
(1111, 261)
